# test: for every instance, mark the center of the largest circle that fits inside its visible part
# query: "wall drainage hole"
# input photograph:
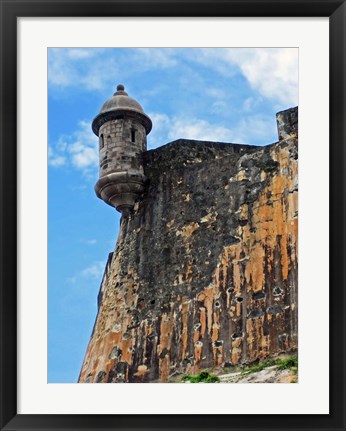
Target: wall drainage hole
(277, 291)
(218, 343)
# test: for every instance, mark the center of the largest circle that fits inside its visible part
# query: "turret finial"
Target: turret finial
(120, 91)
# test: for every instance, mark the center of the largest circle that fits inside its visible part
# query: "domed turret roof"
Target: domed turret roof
(121, 100)
(118, 106)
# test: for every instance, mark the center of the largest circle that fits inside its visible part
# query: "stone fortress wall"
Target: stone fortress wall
(205, 269)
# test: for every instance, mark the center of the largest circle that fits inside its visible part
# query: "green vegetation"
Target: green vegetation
(259, 367)
(202, 377)
(290, 363)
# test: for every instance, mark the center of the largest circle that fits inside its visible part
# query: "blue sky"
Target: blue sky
(225, 95)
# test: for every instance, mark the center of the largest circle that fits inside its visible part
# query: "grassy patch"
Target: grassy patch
(202, 377)
(290, 363)
(259, 367)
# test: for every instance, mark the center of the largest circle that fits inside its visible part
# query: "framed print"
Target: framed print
(202, 284)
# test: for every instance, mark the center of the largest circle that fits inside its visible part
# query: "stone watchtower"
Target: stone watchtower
(122, 128)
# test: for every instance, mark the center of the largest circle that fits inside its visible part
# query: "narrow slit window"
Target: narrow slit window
(133, 135)
(102, 143)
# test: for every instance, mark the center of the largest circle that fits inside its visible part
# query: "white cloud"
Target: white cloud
(94, 271)
(150, 58)
(214, 58)
(161, 126)
(80, 281)
(80, 67)
(97, 68)
(254, 129)
(219, 107)
(251, 129)
(78, 53)
(80, 149)
(55, 160)
(90, 241)
(72, 280)
(166, 129)
(273, 72)
(82, 155)
(200, 130)
(214, 92)
(250, 103)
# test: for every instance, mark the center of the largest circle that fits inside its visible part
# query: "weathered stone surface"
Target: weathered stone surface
(287, 122)
(204, 273)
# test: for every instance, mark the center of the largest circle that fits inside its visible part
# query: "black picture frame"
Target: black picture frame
(10, 11)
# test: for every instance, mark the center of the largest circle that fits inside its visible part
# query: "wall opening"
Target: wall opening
(101, 142)
(133, 135)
